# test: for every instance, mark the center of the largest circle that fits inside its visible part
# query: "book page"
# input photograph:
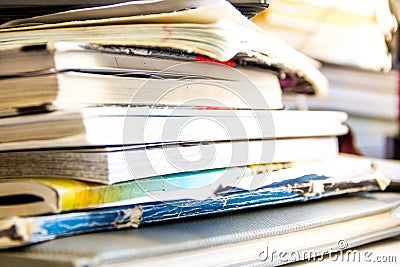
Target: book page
(125, 9)
(206, 14)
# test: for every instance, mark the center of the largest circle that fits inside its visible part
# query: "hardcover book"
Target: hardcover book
(18, 231)
(325, 226)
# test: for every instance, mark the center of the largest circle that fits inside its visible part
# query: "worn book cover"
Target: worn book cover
(249, 193)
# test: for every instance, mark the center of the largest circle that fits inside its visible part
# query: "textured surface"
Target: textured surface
(158, 239)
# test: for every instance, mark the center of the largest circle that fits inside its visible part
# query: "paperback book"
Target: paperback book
(112, 126)
(200, 30)
(109, 165)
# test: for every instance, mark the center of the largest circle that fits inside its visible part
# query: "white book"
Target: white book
(215, 30)
(234, 88)
(116, 164)
(102, 126)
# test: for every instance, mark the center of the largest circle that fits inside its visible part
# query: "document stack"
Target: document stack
(358, 67)
(145, 111)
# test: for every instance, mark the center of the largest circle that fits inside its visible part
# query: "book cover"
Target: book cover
(18, 231)
(21, 231)
(35, 196)
(238, 238)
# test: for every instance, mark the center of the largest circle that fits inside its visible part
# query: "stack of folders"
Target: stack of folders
(144, 112)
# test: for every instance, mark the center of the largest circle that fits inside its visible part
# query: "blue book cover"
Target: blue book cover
(20, 231)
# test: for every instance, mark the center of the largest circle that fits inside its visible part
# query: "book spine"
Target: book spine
(226, 203)
(263, 197)
(18, 232)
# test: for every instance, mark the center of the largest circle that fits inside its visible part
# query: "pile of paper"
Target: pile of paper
(150, 111)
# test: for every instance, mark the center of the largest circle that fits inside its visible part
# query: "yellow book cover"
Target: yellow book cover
(33, 196)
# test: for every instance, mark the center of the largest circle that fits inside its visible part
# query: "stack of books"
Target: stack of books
(315, 28)
(370, 98)
(143, 112)
(362, 81)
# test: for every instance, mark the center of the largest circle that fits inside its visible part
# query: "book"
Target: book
(25, 9)
(24, 197)
(68, 224)
(21, 9)
(227, 36)
(69, 74)
(371, 100)
(320, 225)
(110, 164)
(36, 196)
(101, 126)
(63, 56)
(363, 87)
(78, 10)
(294, 238)
(73, 89)
(370, 134)
(315, 28)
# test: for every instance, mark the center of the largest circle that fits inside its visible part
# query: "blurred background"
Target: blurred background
(357, 42)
